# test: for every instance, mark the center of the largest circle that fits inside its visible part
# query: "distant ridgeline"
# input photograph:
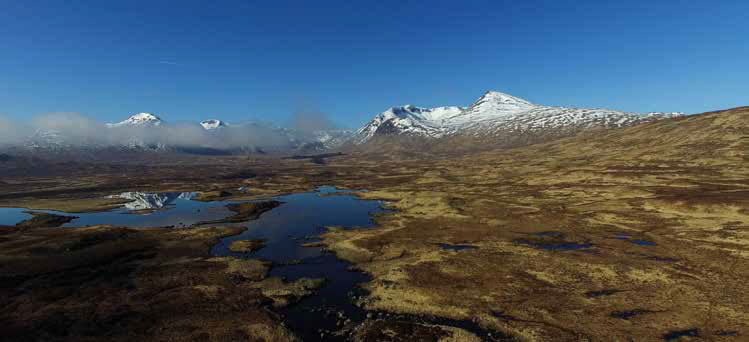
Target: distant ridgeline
(493, 120)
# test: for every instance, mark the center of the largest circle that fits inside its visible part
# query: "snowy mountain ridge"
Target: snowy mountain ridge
(494, 114)
(501, 118)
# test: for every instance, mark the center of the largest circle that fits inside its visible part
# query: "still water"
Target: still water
(300, 219)
(154, 210)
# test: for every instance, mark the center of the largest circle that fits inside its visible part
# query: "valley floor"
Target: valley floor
(640, 233)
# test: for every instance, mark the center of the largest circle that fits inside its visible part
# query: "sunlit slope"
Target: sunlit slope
(709, 139)
(493, 120)
(636, 233)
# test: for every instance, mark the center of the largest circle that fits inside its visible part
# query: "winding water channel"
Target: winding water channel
(300, 219)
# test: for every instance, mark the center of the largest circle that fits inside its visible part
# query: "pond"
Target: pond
(301, 219)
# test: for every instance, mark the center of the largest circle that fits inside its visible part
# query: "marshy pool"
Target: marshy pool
(284, 231)
(299, 220)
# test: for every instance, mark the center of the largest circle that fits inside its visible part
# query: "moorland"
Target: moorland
(638, 233)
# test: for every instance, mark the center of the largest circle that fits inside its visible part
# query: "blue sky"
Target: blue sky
(352, 59)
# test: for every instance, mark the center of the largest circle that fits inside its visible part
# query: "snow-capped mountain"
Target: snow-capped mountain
(139, 120)
(46, 138)
(52, 140)
(146, 132)
(408, 119)
(495, 117)
(495, 114)
(212, 124)
(333, 138)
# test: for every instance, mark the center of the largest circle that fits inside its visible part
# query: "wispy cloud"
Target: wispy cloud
(170, 63)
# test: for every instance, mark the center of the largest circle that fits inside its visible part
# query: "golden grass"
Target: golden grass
(681, 184)
(69, 205)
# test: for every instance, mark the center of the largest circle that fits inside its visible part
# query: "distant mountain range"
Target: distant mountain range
(494, 119)
(148, 132)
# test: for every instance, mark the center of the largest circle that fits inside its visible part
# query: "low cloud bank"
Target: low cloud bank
(74, 129)
(12, 133)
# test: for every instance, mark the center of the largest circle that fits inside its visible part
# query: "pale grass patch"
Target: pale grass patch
(283, 292)
(543, 276)
(210, 291)
(650, 275)
(270, 333)
(458, 335)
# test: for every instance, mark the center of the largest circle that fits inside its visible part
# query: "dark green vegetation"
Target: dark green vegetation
(44, 220)
(316, 158)
(246, 211)
(246, 246)
(121, 284)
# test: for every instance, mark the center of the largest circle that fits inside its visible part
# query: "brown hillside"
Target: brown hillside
(639, 233)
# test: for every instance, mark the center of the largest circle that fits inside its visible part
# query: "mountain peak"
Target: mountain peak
(499, 103)
(140, 119)
(212, 124)
(143, 118)
(499, 96)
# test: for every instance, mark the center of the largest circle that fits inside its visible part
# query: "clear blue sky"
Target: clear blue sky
(242, 60)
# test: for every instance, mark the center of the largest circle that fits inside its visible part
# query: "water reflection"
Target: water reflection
(301, 218)
(152, 200)
(171, 209)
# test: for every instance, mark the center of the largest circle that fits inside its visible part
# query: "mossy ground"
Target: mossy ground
(119, 284)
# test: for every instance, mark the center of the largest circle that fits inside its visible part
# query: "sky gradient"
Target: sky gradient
(189, 61)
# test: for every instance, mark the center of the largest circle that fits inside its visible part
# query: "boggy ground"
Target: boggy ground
(634, 234)
(639, 233)
(122, 284)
